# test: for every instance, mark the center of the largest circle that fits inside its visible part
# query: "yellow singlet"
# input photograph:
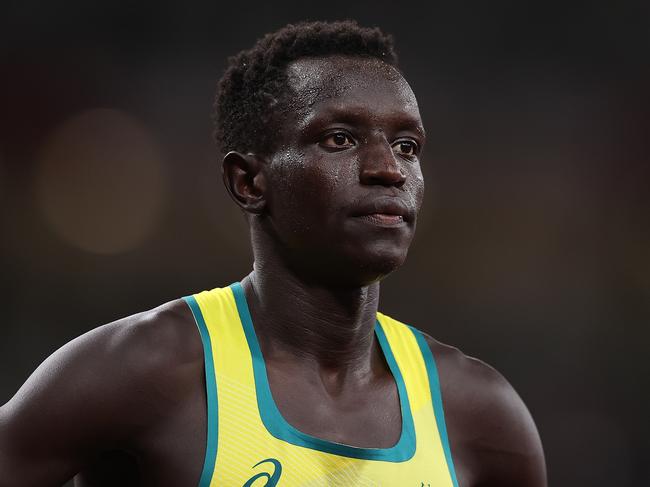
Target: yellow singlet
(250, 444)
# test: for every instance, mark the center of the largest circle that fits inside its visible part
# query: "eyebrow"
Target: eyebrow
(355, 114)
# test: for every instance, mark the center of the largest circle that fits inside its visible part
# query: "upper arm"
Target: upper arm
(491, 432)
(510, 445)
(48, 428)
(96, 393)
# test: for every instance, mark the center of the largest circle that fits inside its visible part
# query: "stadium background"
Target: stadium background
(533, 247)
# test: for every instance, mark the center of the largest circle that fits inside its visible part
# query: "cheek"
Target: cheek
(416, 187)
(327, 181)
(284, 176)
(302, 193)
(309, 182)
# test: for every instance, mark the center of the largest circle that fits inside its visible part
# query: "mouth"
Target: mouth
(384, 212)
(383, 219)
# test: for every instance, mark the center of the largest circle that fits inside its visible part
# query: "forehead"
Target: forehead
(365, 84)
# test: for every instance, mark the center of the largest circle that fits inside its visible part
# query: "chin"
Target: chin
(370, 261)
(350, 271)
(380, 267)
(353, 264)
(371, 266)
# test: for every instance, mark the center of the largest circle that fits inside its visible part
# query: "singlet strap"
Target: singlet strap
(436, 399)
(211, 394)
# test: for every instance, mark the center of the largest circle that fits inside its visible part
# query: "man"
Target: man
(290, 377)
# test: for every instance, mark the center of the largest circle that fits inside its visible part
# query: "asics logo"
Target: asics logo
(271, 478)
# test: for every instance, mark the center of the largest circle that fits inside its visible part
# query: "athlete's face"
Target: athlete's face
(345, 184)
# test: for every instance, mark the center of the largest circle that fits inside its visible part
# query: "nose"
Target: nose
(380, 166)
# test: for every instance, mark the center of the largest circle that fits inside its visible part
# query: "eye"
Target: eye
(337, 140)
(406, 148)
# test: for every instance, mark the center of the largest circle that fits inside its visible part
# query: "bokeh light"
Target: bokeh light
(100, 182)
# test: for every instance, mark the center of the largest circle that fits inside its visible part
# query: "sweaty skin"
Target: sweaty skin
(332, 210)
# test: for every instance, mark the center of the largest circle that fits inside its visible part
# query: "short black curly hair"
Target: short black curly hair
(254, 86)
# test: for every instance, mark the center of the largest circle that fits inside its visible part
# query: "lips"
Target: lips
(383, 219)
(384, 211)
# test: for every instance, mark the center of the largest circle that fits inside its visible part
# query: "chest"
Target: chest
(278, 428)
(363, 415)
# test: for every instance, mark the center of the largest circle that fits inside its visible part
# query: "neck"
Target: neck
(332, 327)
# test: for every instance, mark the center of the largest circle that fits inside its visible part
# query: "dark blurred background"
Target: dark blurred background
(533, 247)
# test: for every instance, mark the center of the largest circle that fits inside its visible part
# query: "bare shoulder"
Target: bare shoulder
(492, 434)
(160, 349)
(101, 390)
(143, 350)
(161, 340)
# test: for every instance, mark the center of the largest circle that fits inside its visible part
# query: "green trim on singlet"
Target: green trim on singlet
(277, 426)
(436, 399)
(211, 393)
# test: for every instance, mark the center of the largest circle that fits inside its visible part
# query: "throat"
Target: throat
(331, 328)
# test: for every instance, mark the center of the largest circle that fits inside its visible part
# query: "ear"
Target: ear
(245, 181)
